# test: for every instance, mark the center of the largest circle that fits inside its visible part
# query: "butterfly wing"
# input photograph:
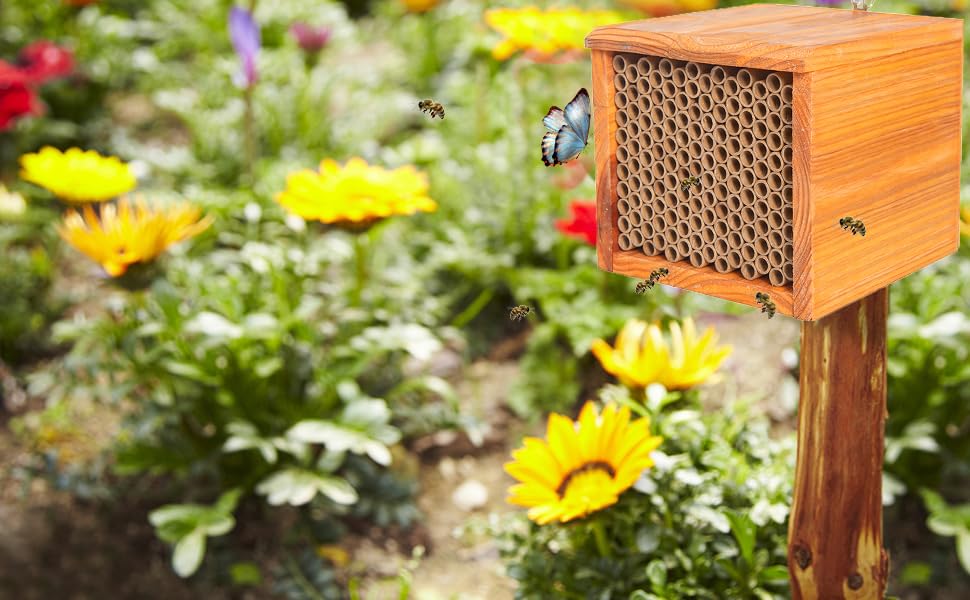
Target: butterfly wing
(549, 148)
(576, 114)
(568, 145)
(554, 119)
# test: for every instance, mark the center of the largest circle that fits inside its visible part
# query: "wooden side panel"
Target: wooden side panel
(835, 529)
(604, 141)
(729, 286)
(804, 210)
(777, 37)
(885, 148)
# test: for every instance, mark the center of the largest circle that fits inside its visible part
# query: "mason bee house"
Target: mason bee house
(732, 145)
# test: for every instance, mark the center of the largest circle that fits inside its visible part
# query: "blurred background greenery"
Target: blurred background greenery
(261, 368)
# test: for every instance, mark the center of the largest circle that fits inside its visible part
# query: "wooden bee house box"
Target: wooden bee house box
(730, 144)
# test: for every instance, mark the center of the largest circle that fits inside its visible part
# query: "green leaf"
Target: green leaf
(657, 574)
(647, 540)
(776, 573)
(744, 531)
(188, 553)
(963, 549)
(189, 371)
(245, 573)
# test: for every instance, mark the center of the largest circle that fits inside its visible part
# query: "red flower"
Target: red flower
(582, 226)
(42, 61)
(16, 101)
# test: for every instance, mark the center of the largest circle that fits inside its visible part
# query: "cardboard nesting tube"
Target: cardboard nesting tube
(786, 154)
(623, 206)
(622, 154)
(734, 184)
(683, 248)
(735, 223)
(646, 211)
(655, 79)
(646, 229)
(659, 241)
(631, 72)
(721, 246)
(744, 78)
(746, 117)
(697, 258)
(634, 147)
(619, 62)
(720, 154)
(776, 258)
(622, 171)
(775, 162)
(622, 118)
(632, 109)
(682, 138)
(657, 97)
(760, 90)
(671, 217)
(761, 189)
(747, 177)
(718, 74)
(761, 208)
(696, 241)
(748, 160)
(774, 122)
(636, 238)
(707, 180)
(788, 213)
(643, 102)
(747, 253)
(746, 98)
(731, 87)
(659, 222)
(786, 93)
(775, 221)
(668, 88)
(707, 234)
(665, 67)
(635, 183)
(694, 130)
(709, 254)
(776, 239)
(721, 192)
(695, 114)
(733, 106)
(761, 264)
(704, 83)
(671, 253)
(749, 217)
(733, 125)
(696, 222)
(788, 252)
(696, 151)
(786, 115)
(775, 141)
(721, 265)
(644, 122)
(734, 259)
(760, 168)
(670, 181)
(658, 170)
(760, 110)
(657, 114)
(710, 201)
(636, 219)
(682, 101)
(788, 232)
(720, 113)
(679, 77)
(692, 89)
(718, 94)
(734, 205)
(760, 129)
(621, 135)
(774, 83)
(705, 103)
(623, 241)
(649, 248)
(735, 241)
(683, 212)
(789, 272)
(761, 228)
(620, 83)
(776, 182)
(668, 146)
(761, 246)
(643, 86)
(683, 156)
(670, 163)
(621, 100)
(692, 70)
(644, 66)
(622, 189)
(787, 174)
(776, 277)
(707, 161)
(623, 224)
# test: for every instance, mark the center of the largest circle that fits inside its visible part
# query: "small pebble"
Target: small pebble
(470, 495)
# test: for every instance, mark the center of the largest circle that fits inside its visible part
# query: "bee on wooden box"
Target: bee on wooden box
(655, 276)
(690, 181)
(853, 225)
(435, 109)
(517, 313)
(767, 304)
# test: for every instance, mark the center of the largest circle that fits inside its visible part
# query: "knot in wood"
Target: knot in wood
(855, 581)
(802, 555)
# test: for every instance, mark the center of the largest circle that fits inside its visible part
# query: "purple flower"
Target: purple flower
(244, 33)
(309, 37)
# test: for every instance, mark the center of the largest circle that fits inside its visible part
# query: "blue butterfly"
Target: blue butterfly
(568, 130)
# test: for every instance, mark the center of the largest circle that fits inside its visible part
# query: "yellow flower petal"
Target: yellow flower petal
(77, 176)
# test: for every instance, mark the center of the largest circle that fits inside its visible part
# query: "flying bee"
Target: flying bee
(435, 109)
(517, 313)
(690, 181)
(767, 305)
(853, 225)
(655, 276)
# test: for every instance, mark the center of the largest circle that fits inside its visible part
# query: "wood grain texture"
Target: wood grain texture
(883, 138)
(729, 286)
(835, 530)
(803, 210)
(604, 143)
(777, 37)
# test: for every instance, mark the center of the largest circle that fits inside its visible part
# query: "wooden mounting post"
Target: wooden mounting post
(835, 531)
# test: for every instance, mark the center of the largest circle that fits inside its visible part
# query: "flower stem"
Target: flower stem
(599, 533)
(360, 267)
(249, 131)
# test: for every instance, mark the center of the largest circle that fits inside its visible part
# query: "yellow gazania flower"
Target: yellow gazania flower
(355, 194)
(580, 467)
(965, 220)
(544, 32)
(419, 6)
(130, 233)
(77, 176)
(642, 356)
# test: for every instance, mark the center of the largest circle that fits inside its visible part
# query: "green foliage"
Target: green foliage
(187, 526)
(950, 521)
(707, 521)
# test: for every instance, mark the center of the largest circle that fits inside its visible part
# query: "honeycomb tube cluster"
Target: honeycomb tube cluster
(704, 165)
